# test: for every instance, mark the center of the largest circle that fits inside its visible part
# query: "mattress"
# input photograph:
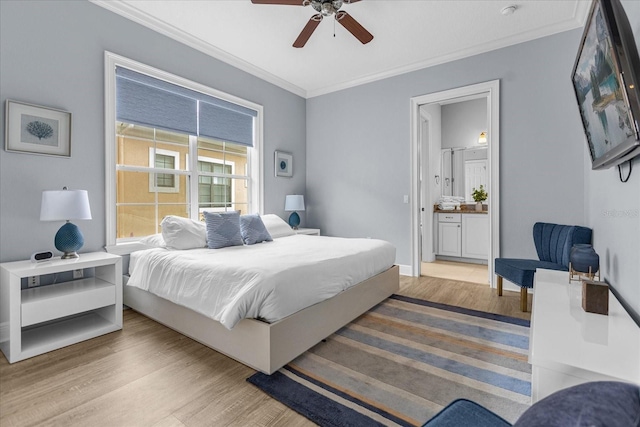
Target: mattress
(267, 281)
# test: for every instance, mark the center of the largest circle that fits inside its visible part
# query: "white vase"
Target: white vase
(478, 206)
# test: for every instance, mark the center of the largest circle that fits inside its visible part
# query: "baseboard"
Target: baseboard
(405, 270)
(461, 259)
(4, 331)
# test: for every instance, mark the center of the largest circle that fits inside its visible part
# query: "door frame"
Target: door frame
(490, 90)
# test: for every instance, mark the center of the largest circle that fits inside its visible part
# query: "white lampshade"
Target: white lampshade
(65, 205)
(294, 202)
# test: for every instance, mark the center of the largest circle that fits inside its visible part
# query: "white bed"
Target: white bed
(303, 288)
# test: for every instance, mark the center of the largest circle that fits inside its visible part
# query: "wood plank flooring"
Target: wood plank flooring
(149, 375)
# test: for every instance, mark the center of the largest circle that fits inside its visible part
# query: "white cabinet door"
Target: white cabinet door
(449, 235)
(475, 236)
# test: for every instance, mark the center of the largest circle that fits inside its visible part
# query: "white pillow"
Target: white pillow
(154, 241)
(276, 226)
(183, 233)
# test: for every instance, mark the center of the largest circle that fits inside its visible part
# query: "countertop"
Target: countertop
(464, 209)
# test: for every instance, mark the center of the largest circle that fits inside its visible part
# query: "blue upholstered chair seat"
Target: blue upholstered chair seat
(521, 271)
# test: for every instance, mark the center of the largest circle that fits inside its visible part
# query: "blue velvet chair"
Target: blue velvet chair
(553, 245)
(596, 404)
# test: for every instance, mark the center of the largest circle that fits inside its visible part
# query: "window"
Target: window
(214, 191)
(174, 148)
(163, 159)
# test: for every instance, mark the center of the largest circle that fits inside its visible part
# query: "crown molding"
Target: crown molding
(127, 11)
(133, 14)
(576, 21)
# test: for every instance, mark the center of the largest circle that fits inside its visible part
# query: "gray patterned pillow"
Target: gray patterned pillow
(253, 230)
(223, 229)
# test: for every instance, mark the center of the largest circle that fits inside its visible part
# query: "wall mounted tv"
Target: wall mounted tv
(606, 82)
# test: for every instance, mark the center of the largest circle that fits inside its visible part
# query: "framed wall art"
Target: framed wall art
(284, 164)
(37, 130)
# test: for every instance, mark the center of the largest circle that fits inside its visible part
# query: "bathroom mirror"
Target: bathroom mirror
(462, 170)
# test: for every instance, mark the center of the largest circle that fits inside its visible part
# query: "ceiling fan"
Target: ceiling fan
(325, 8)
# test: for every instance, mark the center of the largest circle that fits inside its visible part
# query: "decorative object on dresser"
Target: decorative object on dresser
(292, 204)
(479, 195)
(553, 244)
(66, 205)
(595, 297)
(284, 164)
(583, 259)
(37, 130)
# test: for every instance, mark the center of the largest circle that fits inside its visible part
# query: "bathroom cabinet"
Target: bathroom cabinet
(463, 235)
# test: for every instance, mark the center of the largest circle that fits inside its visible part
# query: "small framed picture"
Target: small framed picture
(37, 130)
(284, 164)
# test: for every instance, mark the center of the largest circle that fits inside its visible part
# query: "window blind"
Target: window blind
(148, 101)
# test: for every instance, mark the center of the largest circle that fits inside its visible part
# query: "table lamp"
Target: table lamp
(292, 204)
(66, 205)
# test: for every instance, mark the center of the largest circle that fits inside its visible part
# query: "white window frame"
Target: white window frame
(255, 156)
(152, 176)
(233, 181)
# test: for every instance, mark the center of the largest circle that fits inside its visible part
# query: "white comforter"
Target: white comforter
(267, 281)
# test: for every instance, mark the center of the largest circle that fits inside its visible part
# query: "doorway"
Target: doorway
(423, 164)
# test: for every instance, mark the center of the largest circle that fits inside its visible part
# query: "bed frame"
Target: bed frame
(268, 346)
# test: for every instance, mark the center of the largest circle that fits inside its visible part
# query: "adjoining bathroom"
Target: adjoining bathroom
(457, 160)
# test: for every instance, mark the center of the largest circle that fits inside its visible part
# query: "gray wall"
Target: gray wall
(359, 169)
(612, 209)
(52, 55)
(462, 123)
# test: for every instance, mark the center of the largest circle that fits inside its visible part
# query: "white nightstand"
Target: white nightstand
(45, 318)
(309, 231)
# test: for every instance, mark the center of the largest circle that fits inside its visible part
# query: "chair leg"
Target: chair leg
(523, 299)
(499, 286)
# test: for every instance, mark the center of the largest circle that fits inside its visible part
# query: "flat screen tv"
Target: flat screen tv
(605, 79)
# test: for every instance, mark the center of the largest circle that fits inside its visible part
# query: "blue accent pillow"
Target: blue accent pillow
(223, 229)
(253, 230)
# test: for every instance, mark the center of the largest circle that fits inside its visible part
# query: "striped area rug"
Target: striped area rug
(403, 361)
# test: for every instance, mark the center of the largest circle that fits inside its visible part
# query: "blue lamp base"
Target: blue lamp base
(294, 220)
(68, 240)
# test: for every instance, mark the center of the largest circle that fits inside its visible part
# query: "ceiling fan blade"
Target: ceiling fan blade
(284, 2)
(308, 30)
(354, 27)
(350, 1)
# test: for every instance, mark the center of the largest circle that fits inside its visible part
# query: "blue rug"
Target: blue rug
(403, 361)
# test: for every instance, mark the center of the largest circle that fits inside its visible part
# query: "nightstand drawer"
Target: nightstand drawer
(65, 299)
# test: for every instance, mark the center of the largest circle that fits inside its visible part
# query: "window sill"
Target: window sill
(126, 248)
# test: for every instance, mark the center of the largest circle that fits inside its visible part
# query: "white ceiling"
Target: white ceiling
(408, 35)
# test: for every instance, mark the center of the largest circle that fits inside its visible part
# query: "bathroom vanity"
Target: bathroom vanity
(462, 234)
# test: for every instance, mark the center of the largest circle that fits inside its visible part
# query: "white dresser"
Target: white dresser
(569, 346)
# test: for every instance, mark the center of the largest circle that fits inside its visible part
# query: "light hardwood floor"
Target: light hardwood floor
(149, 375)
(466, 272)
